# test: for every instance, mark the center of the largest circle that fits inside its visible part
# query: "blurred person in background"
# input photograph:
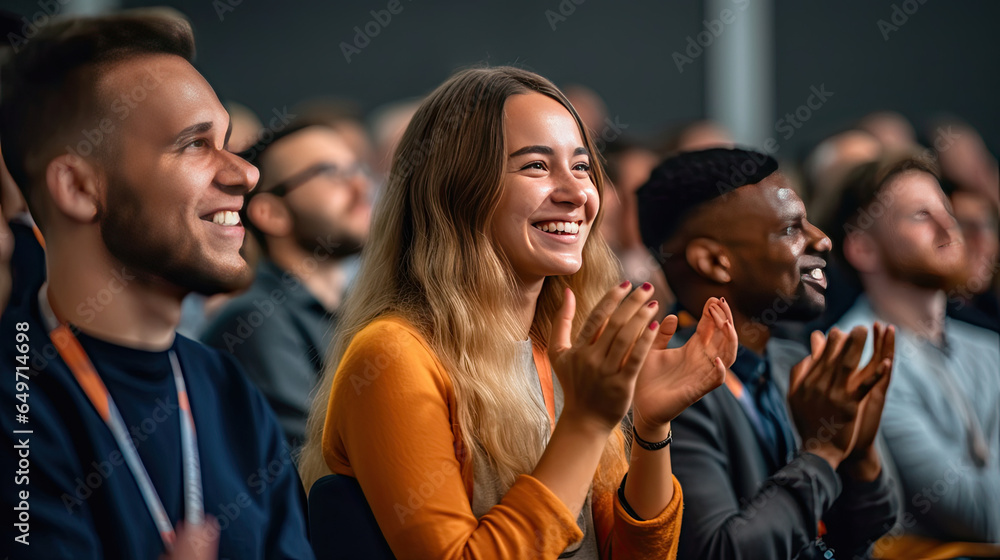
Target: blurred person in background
(590, 106)
(973, 297)
(139, 436)
(893, 131)
(695, 136)
(22, 256)
(826, 166)
(246, 126)
(763, 479)
(344, 117)
(388, 122)
(310, 211)
(942, 414)
(628, 166)
(965, 160)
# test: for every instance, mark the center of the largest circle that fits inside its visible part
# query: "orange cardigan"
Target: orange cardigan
(391, 424)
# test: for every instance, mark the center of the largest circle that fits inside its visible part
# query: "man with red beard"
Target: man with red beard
(942, 414)
(126, 438)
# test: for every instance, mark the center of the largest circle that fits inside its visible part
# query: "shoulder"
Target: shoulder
(390, 338)
(393, 358)
(860, 313)
(975, 339)
(251, 315)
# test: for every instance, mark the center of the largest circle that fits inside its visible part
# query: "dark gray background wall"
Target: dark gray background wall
(269, 54)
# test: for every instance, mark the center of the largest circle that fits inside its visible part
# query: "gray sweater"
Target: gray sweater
(942, 427)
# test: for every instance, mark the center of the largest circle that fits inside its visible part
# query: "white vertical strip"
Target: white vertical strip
(739, 70)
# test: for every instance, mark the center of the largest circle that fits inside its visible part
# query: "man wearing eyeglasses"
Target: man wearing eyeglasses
(310, 211)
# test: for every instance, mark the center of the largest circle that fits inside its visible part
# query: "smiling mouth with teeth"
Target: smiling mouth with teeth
(559, 228)
(226, 218)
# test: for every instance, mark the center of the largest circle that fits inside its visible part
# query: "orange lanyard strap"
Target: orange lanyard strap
(544, 368)
(93, 386)
(38, 235)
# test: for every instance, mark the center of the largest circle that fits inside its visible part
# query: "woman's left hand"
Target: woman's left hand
(673, 379)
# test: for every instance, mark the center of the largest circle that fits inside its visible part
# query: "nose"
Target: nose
(236, 173)
(360, 182)
(817, 239)
(571, 189)
(947, 224)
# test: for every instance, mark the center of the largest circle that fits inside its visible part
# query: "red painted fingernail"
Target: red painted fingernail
(624, 284)
(647, 286)
(653, 326)
(653, 303)
(723, 300)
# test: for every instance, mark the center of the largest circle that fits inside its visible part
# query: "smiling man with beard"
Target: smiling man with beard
(763, 479)
(310, 211)
(135, 437)
(942, 416)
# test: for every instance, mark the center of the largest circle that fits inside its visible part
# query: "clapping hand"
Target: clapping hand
(673, 379)
(829, 395)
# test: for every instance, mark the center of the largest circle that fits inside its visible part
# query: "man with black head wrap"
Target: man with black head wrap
(762, 478)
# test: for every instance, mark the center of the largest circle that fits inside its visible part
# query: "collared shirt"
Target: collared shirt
(279, 332)
(764, 405)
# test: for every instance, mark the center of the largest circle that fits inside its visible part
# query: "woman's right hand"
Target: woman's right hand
(598, 371)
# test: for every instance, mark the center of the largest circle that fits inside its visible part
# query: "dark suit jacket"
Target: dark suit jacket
(737, 505)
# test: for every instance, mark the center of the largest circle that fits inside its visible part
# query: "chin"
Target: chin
(805, 307)
(208, 277)
(565, 270)
(211, 283)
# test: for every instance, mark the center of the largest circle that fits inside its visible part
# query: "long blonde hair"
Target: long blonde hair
(431, 260)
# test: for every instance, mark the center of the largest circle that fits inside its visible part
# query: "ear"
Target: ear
(270, 215)
(861, 251)
(74, 185)
(709, 259)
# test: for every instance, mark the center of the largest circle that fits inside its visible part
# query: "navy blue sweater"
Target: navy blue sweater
(83, 501)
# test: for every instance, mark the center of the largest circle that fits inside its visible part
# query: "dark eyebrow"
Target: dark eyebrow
(200, 128)
(795, 217)
(545, 150)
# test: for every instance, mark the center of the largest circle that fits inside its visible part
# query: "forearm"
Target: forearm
(649, 486)
(570, 459)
